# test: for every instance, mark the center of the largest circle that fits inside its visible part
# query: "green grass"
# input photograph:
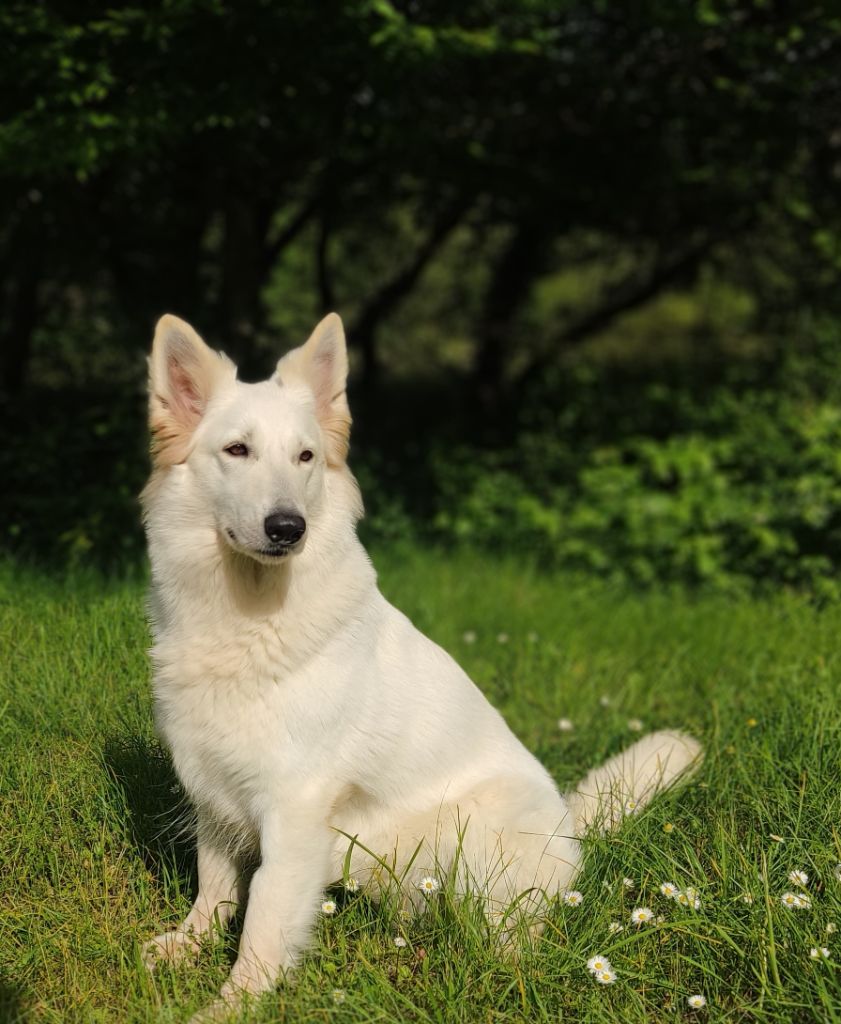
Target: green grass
(93, 860)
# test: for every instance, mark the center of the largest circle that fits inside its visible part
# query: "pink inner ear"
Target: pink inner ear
(184, 391)
(323, 368)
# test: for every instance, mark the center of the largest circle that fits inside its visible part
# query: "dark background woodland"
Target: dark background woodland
(587, 255)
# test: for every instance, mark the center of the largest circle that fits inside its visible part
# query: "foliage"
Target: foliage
(737, 483)
(96, 858)
(706, 474)
(498, 183)
(71, 479)
(182, 155)
(693, 508)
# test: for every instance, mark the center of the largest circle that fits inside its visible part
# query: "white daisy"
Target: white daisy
(696, 1002)
(747, 898)
(328, 907)
(635, 724)
(798, 878)
(429, 885)
(689, 898)
(614, 928)
(352, 884)
(572, 898)
(669, 890)
(641, 915)
(628, 883)
(630, 806)
(400, 942)
(469, 637)
(605, 977)
(598, 963)
(796, 900)
(565, 724)
(819, 953)
(831, 928)
(339, 995)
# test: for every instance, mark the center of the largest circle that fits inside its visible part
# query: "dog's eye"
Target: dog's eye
(238, 450)
(305, 455)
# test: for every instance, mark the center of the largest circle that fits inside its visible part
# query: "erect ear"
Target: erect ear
(183, 375)
(321, 364)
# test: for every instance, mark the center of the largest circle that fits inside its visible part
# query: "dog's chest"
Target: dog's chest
(223, 706)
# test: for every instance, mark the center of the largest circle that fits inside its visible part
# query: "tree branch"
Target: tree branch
(290, 232)
(389, 296)
(628, 295)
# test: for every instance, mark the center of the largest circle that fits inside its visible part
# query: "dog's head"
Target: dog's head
(256, 454)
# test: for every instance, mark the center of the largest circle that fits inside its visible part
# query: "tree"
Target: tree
(169, 155)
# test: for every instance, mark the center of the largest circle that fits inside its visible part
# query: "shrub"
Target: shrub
(741, 487)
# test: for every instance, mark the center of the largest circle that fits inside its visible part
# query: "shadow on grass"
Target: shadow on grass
(159, 823)
(12, 1009)
(158, 817)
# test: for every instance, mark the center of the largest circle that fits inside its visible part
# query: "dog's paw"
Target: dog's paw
(170, 947)
(225, 1008)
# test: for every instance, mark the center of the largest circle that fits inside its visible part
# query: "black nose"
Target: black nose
(284, 528)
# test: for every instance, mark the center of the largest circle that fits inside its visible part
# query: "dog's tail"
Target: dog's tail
(625, 783)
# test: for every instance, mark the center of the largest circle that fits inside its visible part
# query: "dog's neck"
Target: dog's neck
(255, 590)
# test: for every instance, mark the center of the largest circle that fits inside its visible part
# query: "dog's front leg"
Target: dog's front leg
(220, 890)
(282, 902)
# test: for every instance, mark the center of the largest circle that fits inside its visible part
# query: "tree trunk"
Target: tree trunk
(512, 277)
(326, 292)
(20, 320)
(243, 276)
(363, 331)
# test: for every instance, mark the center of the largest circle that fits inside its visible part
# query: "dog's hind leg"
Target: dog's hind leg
(517, 853)
(506, 841)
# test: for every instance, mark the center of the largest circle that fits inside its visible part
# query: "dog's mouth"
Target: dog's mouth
(269, 554)
(276, 552)
(273, 555)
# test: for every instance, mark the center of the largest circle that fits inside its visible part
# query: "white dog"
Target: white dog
(305, 715)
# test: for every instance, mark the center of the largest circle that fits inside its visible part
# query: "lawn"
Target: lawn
(96, 855)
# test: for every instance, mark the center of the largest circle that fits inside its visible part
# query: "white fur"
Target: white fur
(300, 707)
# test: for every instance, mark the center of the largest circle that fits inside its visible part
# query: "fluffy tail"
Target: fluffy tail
(625, 783)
